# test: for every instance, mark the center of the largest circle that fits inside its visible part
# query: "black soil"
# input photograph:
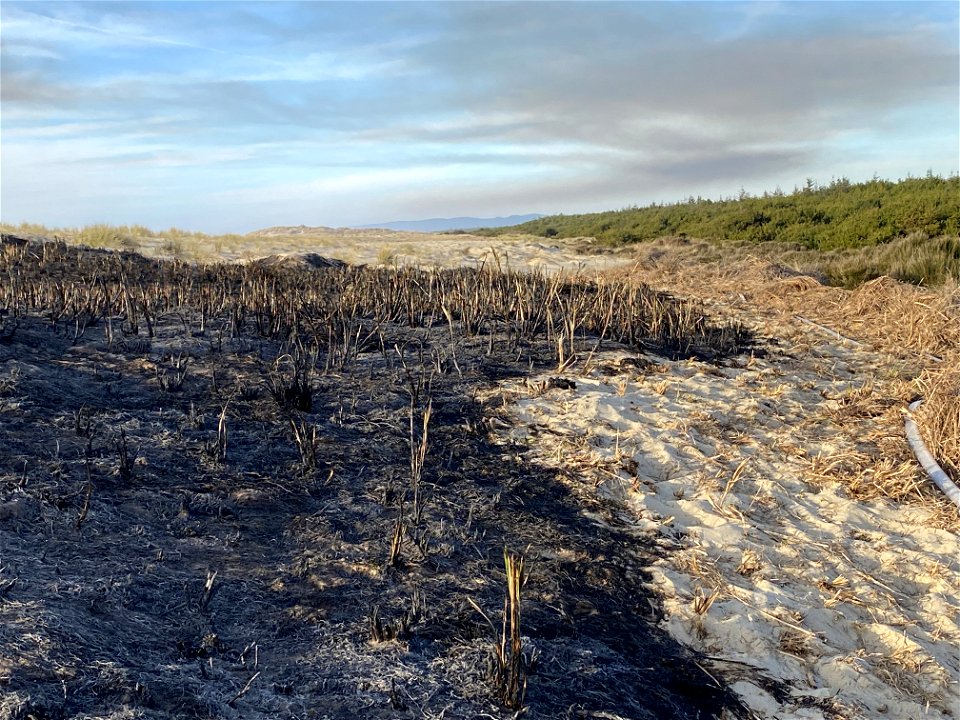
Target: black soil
(150, 569)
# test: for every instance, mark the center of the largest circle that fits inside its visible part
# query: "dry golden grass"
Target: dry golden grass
(915, 258)
(939, 416)
(914, 327)
(896, 315)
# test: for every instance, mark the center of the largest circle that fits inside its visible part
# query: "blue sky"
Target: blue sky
(231, 116)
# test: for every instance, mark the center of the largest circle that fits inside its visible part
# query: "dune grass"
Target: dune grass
(173, 242)
(917, 259)
(846, 233)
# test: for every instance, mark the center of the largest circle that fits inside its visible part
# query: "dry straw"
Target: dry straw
(939, 416)
(509, 670)
(917, 327)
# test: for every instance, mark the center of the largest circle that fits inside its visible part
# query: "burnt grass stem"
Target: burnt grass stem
(300, 563)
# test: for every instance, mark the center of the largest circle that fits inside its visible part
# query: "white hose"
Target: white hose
(935, 472)
(829, 331)
(925, 457)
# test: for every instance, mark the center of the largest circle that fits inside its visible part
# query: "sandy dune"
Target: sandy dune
(813, 604)
(373, 247)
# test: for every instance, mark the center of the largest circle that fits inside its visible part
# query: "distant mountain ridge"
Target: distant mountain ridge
(455, 223)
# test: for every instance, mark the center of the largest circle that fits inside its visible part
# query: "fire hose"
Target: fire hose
(927, 460)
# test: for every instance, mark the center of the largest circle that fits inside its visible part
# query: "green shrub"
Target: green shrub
(836, 216)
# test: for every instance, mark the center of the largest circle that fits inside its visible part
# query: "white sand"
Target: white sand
(372, 247)
(854, 605)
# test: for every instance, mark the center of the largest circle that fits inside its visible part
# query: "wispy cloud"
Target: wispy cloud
(459, 108)
(109, 29)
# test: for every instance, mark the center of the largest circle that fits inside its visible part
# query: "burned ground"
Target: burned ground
(203, 473)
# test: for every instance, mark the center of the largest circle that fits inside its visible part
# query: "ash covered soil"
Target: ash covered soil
(205, 472)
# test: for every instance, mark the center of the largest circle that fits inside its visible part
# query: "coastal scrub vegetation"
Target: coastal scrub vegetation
(848, 232)
(839, 215)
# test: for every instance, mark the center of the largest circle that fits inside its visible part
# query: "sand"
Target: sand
(781, 576)
(183, 536)
(386, 247)
(808, 599)
(774, 575)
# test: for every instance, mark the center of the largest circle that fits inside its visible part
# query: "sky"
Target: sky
(232, 116)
